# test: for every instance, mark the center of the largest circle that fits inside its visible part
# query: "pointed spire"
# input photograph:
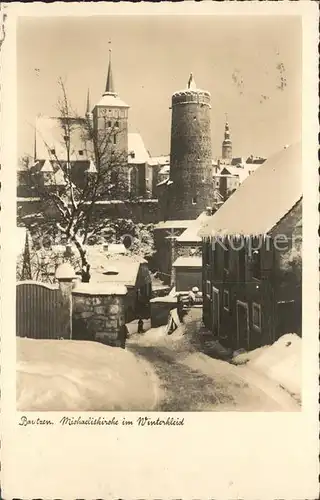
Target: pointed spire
(226, 129)
(191, 82)
(110, 84)
(88, 110)
(26, 265)
(35, 146)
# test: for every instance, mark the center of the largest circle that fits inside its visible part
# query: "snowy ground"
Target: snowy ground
(193, 381)
(158, 372)
(281, 362)
(60, 375)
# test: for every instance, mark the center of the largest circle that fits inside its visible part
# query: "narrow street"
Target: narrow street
(192, 381)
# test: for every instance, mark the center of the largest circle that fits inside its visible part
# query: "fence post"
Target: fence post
(66, 276)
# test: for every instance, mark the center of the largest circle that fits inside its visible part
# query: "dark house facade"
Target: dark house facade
(252, 291)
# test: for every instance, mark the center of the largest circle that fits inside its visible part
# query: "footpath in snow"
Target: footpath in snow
(250, 388)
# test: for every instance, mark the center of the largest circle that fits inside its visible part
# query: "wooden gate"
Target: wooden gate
(38, 310)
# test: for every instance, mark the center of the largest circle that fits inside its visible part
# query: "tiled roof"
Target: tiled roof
(136, 145)
(262, 199)
(188, 262)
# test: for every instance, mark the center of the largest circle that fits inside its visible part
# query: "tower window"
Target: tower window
(116, 124)
(109, 123)
(194, 200)
(114, 139)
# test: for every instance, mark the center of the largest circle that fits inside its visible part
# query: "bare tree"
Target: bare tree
(73, 196)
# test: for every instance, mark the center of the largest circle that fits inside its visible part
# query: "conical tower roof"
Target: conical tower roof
(110, 97)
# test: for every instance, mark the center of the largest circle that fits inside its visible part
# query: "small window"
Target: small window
(226, 258)
(116, 124)
(256, 264)
(208, 289)
(256, 316)
(194, 200)
(114, 139)
(53, 151)
(66, 138)
(81, 152)
(109, 123)
(226, 300)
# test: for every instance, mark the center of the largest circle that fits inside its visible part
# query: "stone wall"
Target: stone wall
(145, 211)
(190, 156)
(98, 315)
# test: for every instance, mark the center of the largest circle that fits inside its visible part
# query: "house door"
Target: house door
(288, 318)
(215, 311)
(242, 325)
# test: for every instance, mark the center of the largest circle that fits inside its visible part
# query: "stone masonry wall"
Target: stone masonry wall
(101, 316)
(190, 160)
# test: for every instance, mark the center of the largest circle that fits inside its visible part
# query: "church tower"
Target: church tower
(110, 116)
(227, 144)
(191, 184)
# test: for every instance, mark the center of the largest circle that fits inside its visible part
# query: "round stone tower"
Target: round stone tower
(191, 182)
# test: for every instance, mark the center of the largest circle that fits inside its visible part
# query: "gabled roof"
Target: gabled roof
(136, 145)
(50, 136)
(265, 197)
(191, 233)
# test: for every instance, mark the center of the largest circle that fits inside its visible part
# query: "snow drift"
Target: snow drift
(281, 362)
(66, 375)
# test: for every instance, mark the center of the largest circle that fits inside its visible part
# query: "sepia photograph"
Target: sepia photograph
(159, 213)
(159, 250)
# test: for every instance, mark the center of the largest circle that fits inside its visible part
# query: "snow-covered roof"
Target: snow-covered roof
(159, 160)
(114, 268)
(94, 288)
(191, 233)
(188, 262)
(164, 170)
(137, 147)
(112, 100)
(171, 224)
(50, 137)
(264, 198)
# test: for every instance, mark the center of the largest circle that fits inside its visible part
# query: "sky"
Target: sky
(241, 60)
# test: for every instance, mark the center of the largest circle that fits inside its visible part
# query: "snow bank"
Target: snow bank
(281, 362)
(62, 375)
